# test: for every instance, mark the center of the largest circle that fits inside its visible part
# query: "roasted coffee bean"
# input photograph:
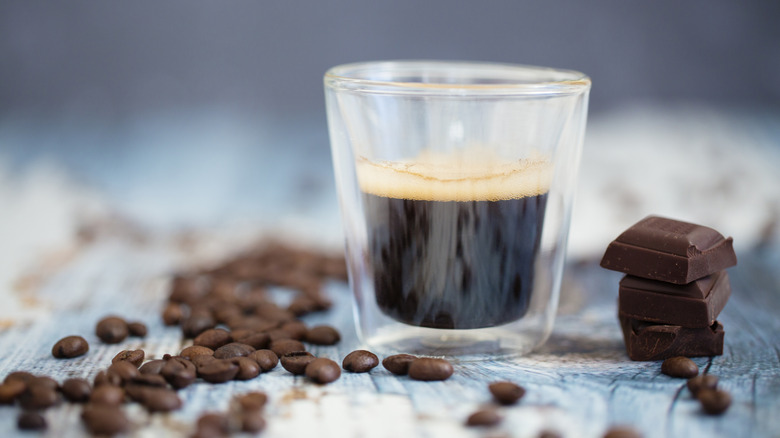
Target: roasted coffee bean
(302, 305)
(104, 420)
(213, 424)
(70, 346)
(429, 369)
(213, 338)
(45, 381)
(137, 329)
(76, 390)
(112, 330)
(506, 393)
(38, 397)
(251, 401)
(107, 395)
(22, 376)
(239, 334)
(322, 370)
(323, 335)
(202, 359)
(179, 372)
(11, 390)
(297, 361)
(125, 370)
(233, 349)
(252, 421)
(218, 371)
(398, 364)
(295, 328)
(704, 381)
(360, 361)
(278, 334)
(484, 417)
(196, 324)
(156, 399)
(267, 359)
(714, 401)
(622, 432)
(152, 367)
(173, 314)
(106, 378)
(155, 380)
(135, 357)
(196, 350)
(286, 346)
(247, 368)
(31, 420)
(257, 341)
(679, 366)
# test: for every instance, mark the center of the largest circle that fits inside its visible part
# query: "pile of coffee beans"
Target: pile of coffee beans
(703, 387)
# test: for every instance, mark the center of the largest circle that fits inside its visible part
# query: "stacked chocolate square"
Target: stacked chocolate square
(674, 288)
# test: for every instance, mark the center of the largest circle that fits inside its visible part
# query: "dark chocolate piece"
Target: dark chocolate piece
(668, 250)
(649, 300)
(647, 341)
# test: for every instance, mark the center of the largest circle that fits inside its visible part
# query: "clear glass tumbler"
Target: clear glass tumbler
(455, 181)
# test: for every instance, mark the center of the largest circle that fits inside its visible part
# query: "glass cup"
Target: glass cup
(455, 182)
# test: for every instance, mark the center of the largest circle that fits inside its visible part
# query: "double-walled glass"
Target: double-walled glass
(455, 181)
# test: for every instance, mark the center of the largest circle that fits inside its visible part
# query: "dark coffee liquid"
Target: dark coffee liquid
(455, 264)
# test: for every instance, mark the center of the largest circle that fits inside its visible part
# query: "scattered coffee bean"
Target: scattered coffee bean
(112, 330)
(283, 347)
(296, 329)
(257, 341)
(31, 420)
(196, 324)
(22, 376)
(251, 401)
(213, 424)
(201, 360)
(484, 417)
(155, 380)
(125, 370)
(11, 390)
(179, 372)
(196, 350)
(430, 369)
(704, 381)
(38, 397)
(360, 361)
(76, 390)
(135, 357)
(267, 359)
(152, 367)
(106, 378)
(156, 399)
(506, 393)
(247, 368)
(233, 349)
(213, 338)
(278, 334)
(296, 362)
(322, 335)
(70, 346)
(218, 371)
(173, 314)
(679, 366)
(252, 421)
(137, 329)
(398, 364)
(322, 370)
(104, 420)
(45, 381)
(107, 395)
(622, 432)
(714, 401)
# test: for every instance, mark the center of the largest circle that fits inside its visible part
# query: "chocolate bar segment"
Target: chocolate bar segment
(647, 341)
(695, 289)
(647, 301)
(668, 250)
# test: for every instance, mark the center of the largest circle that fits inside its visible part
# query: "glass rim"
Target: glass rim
(471, 78)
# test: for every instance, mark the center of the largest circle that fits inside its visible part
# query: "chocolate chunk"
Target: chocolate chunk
(714, 401)
(322, 370)
(647, 341)
(484, 417)
(429, 369)
(398, 364)
(360, 361)
(668, 250)
(679, 366)
(506, 393)
(649, 300)
(70, 346)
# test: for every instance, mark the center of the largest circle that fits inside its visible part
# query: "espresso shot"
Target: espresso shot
(452, 241)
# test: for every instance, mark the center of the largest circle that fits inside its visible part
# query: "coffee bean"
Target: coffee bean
(155, 380)
(679, 366)
(295, 328)
(106, 378)
(11, 390)
(484, 417)
(622, 432)
(156, 399)
(247, 368)
(104, 420)
(196, 350)
(70, 346)
(398, 364)
(45, 381)
(213, 338)
(135, 357)
(137, 329)
(213, 424)
(22, 376)
(179, 372)
(267, 359)
(218, 371)
(714, 401)
(429, 369)
(297, 361)
(31, 420)
(107, 395)
(233, 349)
(112, 330)
(278, 334)
(38, 397)
(506, 393)
(125, 370)
(152, 367)
(704, 381)
(360, 361)
(173, 314)
(76, 390)
(258, 341)
(323, 335)
(286, 346)
(252, 421)
(251, 401)
(322, 370)
(196, 324)
(202, 359)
